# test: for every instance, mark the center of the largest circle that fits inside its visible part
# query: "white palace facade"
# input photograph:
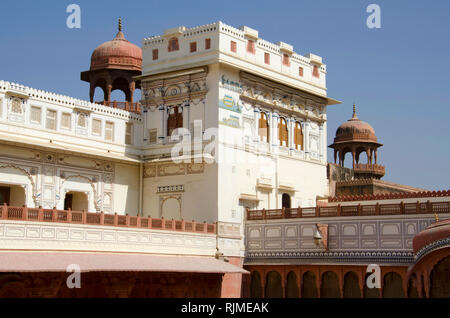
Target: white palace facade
(259, 105)
(227, 122)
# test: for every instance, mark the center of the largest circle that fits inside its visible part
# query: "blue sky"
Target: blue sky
(397, 75)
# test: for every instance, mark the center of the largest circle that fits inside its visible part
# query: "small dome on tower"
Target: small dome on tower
(117, 53)
(355, 129)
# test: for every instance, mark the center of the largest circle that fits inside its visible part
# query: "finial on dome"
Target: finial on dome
(354, 112)
(120, 24)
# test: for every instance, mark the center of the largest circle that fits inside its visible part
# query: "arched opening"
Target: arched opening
(351, 286)
(99, 94)
(174, 119)
(123, 85)
(255, 285)
(412, 287)
(440, 279)
(12, 194)
(263, 131)
(309, 288)
(298, 136)
(286, 201)
(283, 132)
(330, 285)
(292, 290)
(118, 95)
(393, 286)
(171, 209)
(13, 289)
(76, 201)
(273, 285)
(370, 292)
(361, 156)
(137, 95)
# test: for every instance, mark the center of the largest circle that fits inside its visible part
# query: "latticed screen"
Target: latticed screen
(35, 115)
(263, 127)
(109, 131)
(193, 47)
(283, 132)
(81, 120)
(129, 134)
(66, 121)
(96, 127)
(155, 54)
(173, 45)
(298, 136)
(175, 120)
(152, 136)
(16, 106)
(50, 122)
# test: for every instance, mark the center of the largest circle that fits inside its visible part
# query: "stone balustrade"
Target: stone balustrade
(82, 217)
(351, 210)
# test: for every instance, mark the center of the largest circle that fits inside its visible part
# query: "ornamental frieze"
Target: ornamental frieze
(262, 92)
(172, 169)
(174, 89)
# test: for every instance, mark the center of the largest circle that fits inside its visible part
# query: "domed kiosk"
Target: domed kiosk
(356, 136)
(114, 64)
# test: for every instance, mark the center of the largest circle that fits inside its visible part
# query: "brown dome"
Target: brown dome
(355, 130)
(117, 54)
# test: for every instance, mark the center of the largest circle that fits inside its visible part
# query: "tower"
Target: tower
(114, 64)
(356, 136)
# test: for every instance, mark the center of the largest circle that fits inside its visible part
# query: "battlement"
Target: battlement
(63, 100)
(242, 48)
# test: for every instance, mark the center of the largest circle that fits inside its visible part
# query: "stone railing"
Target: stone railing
(82, 217)
(128, 106)
(351, 210)
(391, 196)
(369, 168)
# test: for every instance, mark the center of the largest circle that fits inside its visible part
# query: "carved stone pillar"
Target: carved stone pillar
(132, 88)
(256, 116)
(108, 92)
(274, 129)
(161, 128)
(91, 92)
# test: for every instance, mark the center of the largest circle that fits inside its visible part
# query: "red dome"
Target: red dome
(118, 54)
(355, 130)
(435, 232)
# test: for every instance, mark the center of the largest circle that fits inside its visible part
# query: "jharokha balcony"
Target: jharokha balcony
(128, 106)
(82, 217)
(351, 210)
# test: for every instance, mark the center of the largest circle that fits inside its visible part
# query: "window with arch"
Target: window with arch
(175, 119)
(286, 201)
(263, 130)
(173, 45)
(283, 132)
(298, 136)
